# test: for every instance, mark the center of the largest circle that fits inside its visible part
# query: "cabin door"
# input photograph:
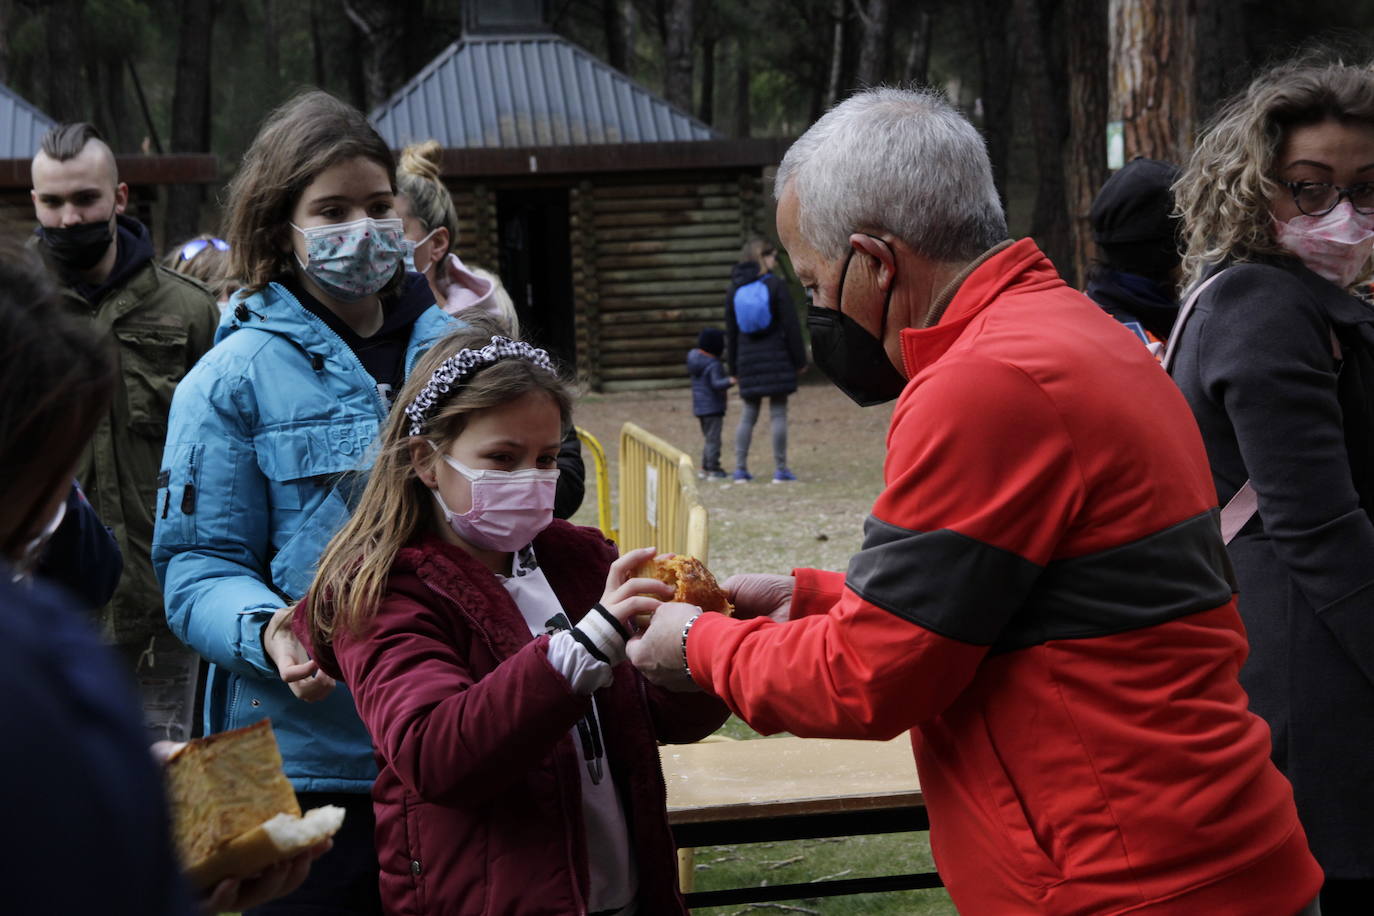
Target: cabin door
(536, 266)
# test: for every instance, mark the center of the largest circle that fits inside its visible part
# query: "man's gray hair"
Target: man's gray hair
(903, 161)
(66, 141)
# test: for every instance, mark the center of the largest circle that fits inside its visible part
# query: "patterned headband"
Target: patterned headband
(463, 365)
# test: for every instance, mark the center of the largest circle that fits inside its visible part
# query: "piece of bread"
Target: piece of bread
(233, 810)
(692, 583)
(273, 841)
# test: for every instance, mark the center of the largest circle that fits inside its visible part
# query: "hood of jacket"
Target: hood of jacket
(1129, 296)
(466, 290)
(698, 361)
(745, 272)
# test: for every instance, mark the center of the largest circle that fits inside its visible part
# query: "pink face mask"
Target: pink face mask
(508, 507)
(1335, 246)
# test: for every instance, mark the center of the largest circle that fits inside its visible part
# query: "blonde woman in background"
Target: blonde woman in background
(431, 230)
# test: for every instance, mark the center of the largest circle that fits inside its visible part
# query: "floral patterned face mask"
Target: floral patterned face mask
(351, 261)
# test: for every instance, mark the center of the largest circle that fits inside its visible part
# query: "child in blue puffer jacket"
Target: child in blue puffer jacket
(268, 444)
(709, 384)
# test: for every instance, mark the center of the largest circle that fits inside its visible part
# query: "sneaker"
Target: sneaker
(782, 475)
(742, 476)
(717, 474)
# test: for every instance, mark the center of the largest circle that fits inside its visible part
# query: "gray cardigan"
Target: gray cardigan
(1274, 405)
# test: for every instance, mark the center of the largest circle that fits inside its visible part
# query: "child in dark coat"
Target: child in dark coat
(709, 383)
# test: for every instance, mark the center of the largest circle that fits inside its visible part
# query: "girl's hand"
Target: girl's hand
(300, 672)
(627, 595)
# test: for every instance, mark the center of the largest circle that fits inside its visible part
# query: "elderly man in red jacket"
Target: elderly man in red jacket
(1042, 596)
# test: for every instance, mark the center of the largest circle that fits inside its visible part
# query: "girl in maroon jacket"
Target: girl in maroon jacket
(484, 645)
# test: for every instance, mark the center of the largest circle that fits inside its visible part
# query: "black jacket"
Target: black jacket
(765, 362)
(88, 821)
(1256, 363)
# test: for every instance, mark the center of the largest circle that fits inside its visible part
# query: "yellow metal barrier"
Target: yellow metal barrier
(658, 496)
(603, 482)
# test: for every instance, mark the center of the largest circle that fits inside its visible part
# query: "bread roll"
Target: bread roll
(233, 811)
(692, 583)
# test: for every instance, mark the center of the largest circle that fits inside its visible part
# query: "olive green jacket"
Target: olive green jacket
(162, 322)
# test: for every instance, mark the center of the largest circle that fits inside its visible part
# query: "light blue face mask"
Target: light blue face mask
(408, 248)
(351, 261)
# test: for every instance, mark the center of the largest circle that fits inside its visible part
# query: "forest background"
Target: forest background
(1042, 79)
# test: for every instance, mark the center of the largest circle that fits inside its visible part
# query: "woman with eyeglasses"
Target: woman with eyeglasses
(1276, 358)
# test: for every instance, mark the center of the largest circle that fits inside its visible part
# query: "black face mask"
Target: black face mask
(79, 247)
(851, 357)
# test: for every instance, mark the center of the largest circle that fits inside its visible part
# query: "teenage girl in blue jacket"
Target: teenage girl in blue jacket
(267, 444)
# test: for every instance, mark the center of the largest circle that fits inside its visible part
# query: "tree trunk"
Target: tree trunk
(617, 37)
(837, 15)
(873, 42)
(316, 44)
(997, 64)
(385, 26)
(1047, 99)
(7, 25)
(1085, 166)
(1153, 78)
(270, 57)
(190, 110)
(62, 27)
(706, 113)
(1222, 67)
(743, 117)
(679, 49)
(916, 67)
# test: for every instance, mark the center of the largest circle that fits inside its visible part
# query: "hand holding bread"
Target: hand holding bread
(234, 813)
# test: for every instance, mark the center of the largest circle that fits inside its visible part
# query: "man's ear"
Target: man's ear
(121, 197)
(881, 252)
(422, 461)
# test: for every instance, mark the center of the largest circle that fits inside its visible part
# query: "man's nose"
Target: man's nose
(71, 215)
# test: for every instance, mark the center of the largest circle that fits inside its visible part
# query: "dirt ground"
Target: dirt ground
(834, 447)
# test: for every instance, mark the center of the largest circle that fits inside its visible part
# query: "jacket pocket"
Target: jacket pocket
(414, 852)
(152, 360)
(178, 495)
(1037, 866)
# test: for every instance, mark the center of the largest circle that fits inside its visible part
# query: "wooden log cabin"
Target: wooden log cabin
(612, 217)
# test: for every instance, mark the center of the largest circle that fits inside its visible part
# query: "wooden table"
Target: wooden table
(724, 792)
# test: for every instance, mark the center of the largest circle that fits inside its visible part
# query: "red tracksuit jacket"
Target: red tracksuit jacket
(1043, 599)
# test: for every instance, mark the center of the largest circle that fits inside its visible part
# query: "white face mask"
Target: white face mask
(508, 507)
(1335, 247)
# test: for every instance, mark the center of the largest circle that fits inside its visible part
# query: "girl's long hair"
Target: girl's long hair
(396, 505)
(56, 374)
(306, 135)
(1225, 194)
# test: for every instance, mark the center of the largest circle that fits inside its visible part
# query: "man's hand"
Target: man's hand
(300, 672)
(234, 894)
(761, 595)
(657, 651)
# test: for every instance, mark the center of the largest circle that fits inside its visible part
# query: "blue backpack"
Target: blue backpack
(751, 306)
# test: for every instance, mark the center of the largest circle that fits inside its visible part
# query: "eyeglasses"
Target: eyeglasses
(196, 246)
(1318, 198)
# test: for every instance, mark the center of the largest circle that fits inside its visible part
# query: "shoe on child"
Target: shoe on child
(782, 475)
(742, 476)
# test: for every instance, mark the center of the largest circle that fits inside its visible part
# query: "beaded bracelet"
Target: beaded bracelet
(687, 628)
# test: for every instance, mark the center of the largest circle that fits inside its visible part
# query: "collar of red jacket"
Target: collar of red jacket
(1022, 267)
